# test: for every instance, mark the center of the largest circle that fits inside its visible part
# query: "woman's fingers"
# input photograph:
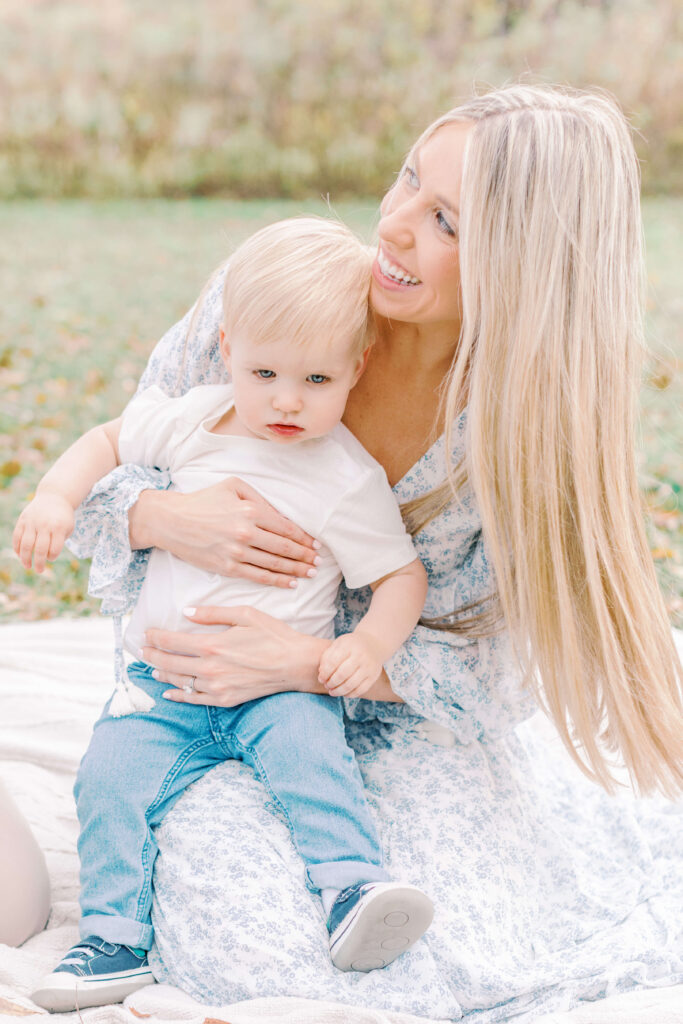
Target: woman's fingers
(281, 554)
(182, 697)
(180, 664)
(267, 518)
(264, 576)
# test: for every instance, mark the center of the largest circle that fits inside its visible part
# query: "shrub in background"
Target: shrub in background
(276, 98)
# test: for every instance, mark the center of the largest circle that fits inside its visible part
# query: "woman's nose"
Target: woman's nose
(396, 223)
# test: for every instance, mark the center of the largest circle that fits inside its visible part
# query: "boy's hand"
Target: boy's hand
(350, 665)
(42, 528)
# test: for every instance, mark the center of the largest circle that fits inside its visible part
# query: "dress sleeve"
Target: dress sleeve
(471, 687)
(187, 355)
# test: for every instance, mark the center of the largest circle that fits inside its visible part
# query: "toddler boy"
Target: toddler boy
(295, 340)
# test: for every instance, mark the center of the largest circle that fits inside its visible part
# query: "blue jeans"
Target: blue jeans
(136, 767)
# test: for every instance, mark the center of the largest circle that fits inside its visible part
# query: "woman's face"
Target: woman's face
(416, 275)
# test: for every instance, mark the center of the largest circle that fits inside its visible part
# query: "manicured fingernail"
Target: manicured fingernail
(293, 584)
(189, 611)
(140, 652)
(317, 560)
(155, 674)
(311, 573)
(317, 544)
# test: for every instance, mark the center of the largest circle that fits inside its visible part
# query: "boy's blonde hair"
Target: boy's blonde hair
(549, 364)
(301, 280)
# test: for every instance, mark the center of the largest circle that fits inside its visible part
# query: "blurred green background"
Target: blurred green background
(141, 141)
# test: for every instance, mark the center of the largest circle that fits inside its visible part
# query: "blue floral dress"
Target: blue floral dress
(547, 891)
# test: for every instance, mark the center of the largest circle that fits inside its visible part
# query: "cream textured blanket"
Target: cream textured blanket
(54, 678)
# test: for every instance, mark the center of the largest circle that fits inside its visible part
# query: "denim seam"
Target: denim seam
(264, 779)
(170, 775)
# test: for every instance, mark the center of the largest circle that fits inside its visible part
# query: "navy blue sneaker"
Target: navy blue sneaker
(371, 923)
(93, 973)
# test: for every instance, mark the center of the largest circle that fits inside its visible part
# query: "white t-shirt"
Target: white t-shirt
(330, 486)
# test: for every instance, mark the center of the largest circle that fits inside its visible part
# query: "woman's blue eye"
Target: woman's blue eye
(265, 374)
(443, 224)
(317, 378)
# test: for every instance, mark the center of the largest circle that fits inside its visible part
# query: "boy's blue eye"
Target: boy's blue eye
(265, 374)
(317, 378)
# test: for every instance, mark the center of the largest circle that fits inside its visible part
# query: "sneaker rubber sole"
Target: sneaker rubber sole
(63, 991)
(385, 922)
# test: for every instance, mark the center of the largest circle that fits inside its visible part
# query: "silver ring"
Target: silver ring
(191, 688)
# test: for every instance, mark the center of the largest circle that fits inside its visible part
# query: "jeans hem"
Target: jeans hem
(342, 873)
(122, 930)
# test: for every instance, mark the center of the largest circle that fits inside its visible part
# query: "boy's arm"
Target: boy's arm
(48, 519)
(352, 665)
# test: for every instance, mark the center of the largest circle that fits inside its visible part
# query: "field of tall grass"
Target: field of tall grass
(89, 286)
(296, 98)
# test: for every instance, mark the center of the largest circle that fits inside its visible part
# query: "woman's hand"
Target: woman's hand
(257, 656)
(229, 529)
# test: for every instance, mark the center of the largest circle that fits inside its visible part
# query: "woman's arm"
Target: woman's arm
(255, 656)
(228, 528)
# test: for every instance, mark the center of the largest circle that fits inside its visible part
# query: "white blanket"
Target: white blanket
(54, 678)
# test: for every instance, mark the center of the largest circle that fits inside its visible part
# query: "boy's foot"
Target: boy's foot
(93, 973)
(371, 923)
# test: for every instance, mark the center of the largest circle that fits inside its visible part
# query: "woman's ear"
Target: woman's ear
(224, 347)
(361, 363)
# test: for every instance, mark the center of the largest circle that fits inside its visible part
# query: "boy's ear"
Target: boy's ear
(361, 363)
(224, 346)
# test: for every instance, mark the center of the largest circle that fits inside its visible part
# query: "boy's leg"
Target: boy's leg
(133, 771)
(297, 745)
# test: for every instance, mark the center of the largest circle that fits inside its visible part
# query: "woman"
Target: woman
(507, 288)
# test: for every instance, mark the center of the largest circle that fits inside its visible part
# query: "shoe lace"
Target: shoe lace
(83, 951)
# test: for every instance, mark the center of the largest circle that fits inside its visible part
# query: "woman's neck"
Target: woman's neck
(393, 408)
(423, 350)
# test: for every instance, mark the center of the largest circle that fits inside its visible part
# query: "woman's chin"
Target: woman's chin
(392, 305)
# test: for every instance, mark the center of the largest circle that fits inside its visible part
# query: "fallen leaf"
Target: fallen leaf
(15, 1010)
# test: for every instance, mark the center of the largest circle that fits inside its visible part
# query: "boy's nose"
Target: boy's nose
(287, 401)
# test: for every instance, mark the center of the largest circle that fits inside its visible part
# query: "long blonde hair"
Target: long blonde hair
(550, 359)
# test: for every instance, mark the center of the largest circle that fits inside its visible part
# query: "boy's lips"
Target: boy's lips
(285, 429)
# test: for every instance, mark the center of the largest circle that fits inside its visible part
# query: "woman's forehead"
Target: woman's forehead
(439, 161)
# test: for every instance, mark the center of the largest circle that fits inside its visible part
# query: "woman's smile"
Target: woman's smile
(391, 271)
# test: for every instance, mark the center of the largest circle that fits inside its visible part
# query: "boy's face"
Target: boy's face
(289, 393)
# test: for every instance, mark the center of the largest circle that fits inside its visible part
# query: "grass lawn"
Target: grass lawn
(88, 287)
